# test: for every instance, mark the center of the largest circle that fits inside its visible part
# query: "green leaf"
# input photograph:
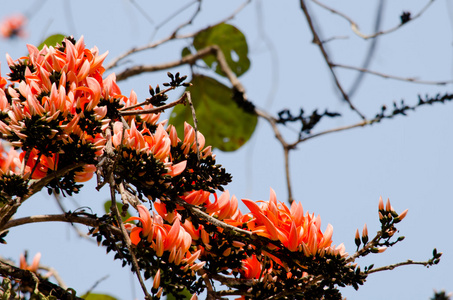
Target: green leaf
(225, 125)
(233, 44)
(52, 40)
(185, 51)
(185, 292)
(93, 296)
(107, 205)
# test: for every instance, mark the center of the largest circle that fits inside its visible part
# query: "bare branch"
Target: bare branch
(317, 41)
(400, 264)
(355, 27)
(172, 36)
(407, 79)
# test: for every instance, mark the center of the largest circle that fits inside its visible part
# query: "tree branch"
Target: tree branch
(31, 280)
(86, 219)
(317, 41)
(355, 27)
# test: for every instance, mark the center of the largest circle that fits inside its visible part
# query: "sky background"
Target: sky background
(339, 176)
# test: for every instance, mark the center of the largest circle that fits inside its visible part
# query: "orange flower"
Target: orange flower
(251, 268)
(11, 162)
(163, 237)
(296, 231)
(13, 26)
(34, 265)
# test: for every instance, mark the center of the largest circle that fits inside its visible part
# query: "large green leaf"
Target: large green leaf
(52, 40)
(233, 45)
(224, 125)
(93, 296)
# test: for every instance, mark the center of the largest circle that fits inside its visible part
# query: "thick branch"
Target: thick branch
(69, 218)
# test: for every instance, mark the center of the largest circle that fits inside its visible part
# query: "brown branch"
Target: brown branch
(317, 41)
(407, 79)
(177, 12)
(69, 218)
(360, 124)
(155, 110)
(31, 280)
(288, 176)
(400, 264)
(172, 36)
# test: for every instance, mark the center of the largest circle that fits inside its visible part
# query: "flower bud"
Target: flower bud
(388, 206)
(357, 238)
(401, 216)
(381, 204)
(156, 281)
(365, 234)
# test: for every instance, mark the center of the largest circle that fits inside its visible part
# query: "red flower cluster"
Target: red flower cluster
(13, 26)
(45, 107)
(295, 230)
(56, 107)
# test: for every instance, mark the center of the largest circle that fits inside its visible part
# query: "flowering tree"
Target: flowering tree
(63, 121)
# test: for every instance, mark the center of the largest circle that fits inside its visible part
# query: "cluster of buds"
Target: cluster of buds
(388, 217)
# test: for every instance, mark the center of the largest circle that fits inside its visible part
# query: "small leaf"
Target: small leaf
(233, 44)
(52, 40)
(186, 51)
(185, 293)
(225, 125)
(93, 296)
(107, 205)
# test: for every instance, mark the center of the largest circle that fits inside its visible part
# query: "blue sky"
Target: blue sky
(339, 176)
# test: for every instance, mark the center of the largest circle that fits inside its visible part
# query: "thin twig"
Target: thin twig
(155, 110)
(400, 264)
(53, 272)
(407, 79)
(288, 176)
(63, 210)
(189, 59)
(147, 101)
(177, 12)
(355, 27)
(317, 41)
(172, 36)
(360, 124)
(370, 52)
